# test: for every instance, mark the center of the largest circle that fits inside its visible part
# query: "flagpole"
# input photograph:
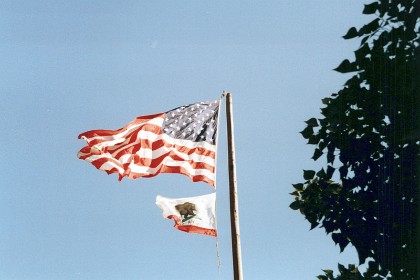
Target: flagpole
(234, 214)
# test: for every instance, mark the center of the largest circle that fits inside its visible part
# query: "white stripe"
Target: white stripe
(190, 169)
(149, 154)
(95, 157)
(114, 136)
(141, 135)
(110, 143)
(188, 143)
(195, 157)
(147, 135)
(125, 158)
(108, 165)
(156, 121)
(171, 163)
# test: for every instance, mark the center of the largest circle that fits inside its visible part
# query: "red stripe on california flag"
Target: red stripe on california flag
(192, 228)
(199, 230)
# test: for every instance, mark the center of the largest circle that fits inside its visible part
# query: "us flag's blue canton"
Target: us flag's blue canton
(196, 122)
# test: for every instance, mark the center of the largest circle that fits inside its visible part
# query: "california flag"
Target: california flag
(191, 214)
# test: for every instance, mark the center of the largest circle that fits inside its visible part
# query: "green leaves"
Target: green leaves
(330, 171)
(314, 225)
(330, 157)
(314, 139)
(351, 33)
(308, 174)
(298, 187)
(295, 205)
(343, 171)
(340, 240)
(369, 28)
(351, 272)
(346, 66)
(371, 8)
(321, 174)
(326, 101)
(362, 52)
(328, 271)
(376, 160)
(307, 132)
(312, 122)
(317, 154)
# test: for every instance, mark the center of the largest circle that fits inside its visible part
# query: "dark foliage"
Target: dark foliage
(367, 194)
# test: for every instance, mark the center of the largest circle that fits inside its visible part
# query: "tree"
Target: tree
(367, 194)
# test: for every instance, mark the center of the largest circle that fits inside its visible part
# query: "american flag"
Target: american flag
(182, 140)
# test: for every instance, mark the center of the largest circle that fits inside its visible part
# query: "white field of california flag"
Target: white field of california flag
(191, 214)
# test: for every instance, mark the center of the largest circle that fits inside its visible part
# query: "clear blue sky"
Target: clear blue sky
(71, 66)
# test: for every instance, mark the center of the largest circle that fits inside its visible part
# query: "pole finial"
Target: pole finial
(224, 93)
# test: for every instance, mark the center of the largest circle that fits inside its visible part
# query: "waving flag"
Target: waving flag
(191, 214)
(182, 140)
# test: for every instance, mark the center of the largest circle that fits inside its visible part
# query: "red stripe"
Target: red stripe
(181, 170)
(100, 161)
(143, 143)
(147, 144)
(194, 164)
(100, 133)
(157, 161)
(164, 169)
(170, 169)
(85, 152)
(105, 132)
(199, 230)
(153, 163)
(197, 150)
(191, 228)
